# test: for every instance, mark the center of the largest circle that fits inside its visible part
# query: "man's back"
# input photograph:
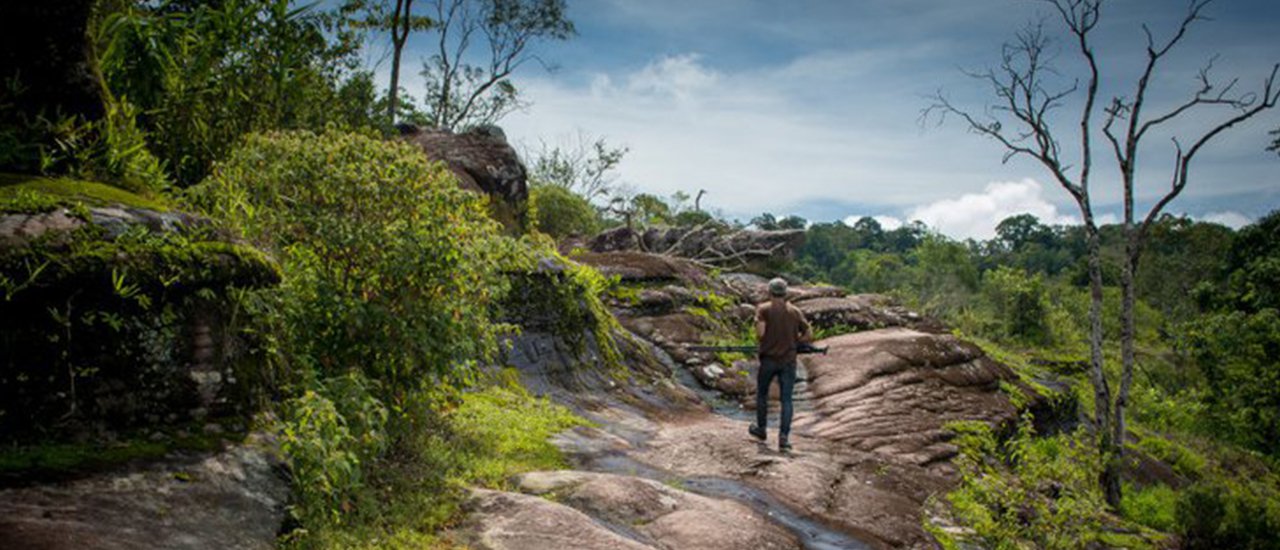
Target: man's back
(783, 326)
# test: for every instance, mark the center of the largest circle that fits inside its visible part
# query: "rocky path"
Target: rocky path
(671, 465)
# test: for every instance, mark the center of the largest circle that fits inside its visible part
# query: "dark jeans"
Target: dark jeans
(786, 374)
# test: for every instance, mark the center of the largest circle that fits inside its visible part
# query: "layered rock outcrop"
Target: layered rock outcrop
(871, 444)
(112, 320)
(483, 161)
(607, 511)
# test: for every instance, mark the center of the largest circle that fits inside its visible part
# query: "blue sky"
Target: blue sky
(812, 107)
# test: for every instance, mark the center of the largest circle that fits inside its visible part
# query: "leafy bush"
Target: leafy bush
(1153, 506)
(391, 275)
(390, 268)
(492, 434)
(560, 212)
(110, 150)
(1236, 352)
(1027, 491)
(1020, 303)
(1224, 514)
(327, 446)
(206, 73)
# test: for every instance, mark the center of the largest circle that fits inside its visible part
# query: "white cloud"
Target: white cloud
(806, 135)
(976, 215)
(681, 77)
(887, 223)
(1232, 219)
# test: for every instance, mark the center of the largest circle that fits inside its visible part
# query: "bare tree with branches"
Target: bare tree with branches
(461, 93)
(582, 164)
(1021, 121)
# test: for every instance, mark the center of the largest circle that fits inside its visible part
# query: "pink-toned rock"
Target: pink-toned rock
(875, 498)
(500, 521)
(891, 391)
(664, 516)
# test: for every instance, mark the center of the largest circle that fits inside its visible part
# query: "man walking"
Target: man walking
(780, 326)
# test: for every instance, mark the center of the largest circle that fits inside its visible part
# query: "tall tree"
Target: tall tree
(460, 93)
(400, 21)
(1022, 122)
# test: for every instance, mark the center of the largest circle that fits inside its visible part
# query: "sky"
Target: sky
(813, 108)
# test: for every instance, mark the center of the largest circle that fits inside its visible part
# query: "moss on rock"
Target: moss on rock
(33, 194)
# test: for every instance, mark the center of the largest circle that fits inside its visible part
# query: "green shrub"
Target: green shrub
(560, 212)
(1020, 304)
(390, 268)
(1225, 514)
(1027, 492)
(328, 446)
(1183, 460)
(111, 150)
(1153, 506)
(391, 278)
(1236, 352)
(492, 434)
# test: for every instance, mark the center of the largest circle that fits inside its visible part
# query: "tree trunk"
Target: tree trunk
(1128, 292)
(1110, 475)
(400, 24)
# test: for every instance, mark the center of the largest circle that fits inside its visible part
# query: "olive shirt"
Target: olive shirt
(784, 324)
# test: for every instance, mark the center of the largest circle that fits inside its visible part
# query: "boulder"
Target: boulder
(755, 289)
(642, 267)
(483, 161)
(891, 391)
(861, 312)
(499, 520)
(114, 268)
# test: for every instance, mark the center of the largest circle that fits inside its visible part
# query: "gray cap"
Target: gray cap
(778, 287)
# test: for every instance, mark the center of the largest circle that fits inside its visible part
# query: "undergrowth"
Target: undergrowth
(415, 492)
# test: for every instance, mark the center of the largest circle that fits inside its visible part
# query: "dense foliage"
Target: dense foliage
(1208, 340)
(560, 212)
(391, 274)
(202, 74)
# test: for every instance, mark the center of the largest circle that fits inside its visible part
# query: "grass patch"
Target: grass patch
(1154, 506)
(492, 435)
(19, 193)
(506, 432)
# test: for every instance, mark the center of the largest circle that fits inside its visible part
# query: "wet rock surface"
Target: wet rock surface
(869, 434)
(875, 499)
(235, 498)
(571, 509)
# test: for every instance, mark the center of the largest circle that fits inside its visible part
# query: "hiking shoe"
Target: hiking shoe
(757, 432)
(784, 445)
